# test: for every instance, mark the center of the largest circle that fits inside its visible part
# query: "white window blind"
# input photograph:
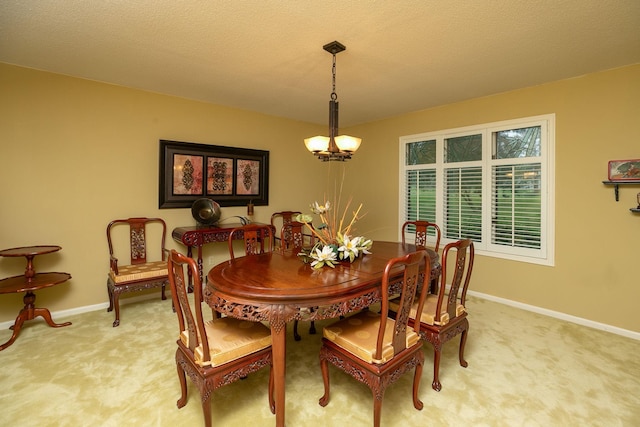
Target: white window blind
(516, 205)
(492, 183)
(421, 195)
(463, 203)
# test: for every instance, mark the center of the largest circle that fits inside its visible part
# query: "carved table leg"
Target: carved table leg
(30, 312)
(278, 341)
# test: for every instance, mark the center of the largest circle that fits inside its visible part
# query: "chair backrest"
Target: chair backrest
(412, 265)
(190, 320)
(293, 238)
(457, 277)
(138, 237)
(258, 238)
(280, 222)
(421, 229)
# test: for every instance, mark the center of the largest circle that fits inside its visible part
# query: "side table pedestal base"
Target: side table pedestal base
(30, 312)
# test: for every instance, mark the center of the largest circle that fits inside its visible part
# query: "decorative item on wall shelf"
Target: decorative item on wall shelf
(233, 176)
(335, 243)
(333, 147)
(624, 170)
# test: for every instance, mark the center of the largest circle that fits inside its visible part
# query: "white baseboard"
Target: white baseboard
(556, 314)
(89, 308)
(562, 316)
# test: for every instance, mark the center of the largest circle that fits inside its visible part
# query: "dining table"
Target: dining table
(278, 287)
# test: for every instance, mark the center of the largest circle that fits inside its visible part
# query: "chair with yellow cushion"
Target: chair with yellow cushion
(257, 239)
(374, 348)
(217, 352)
(295, 236)
(292, 240)
(280, 222)
(421, 230)
(136, 235)
(444, 315)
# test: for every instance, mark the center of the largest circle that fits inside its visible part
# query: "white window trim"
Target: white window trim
(544, 256)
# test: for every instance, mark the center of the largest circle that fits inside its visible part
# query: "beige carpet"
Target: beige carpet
(524, 369)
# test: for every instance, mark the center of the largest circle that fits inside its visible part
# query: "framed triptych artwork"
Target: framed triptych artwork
(230, 176)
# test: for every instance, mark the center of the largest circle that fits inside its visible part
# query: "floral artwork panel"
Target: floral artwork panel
(248, 177)
(219, 175)
(187, 174)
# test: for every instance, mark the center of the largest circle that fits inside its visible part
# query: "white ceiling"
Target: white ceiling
(267, 56)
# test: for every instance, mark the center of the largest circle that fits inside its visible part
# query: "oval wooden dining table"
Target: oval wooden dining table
(278, 288)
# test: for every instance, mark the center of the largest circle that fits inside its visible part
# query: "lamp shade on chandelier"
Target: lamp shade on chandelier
(333, 147)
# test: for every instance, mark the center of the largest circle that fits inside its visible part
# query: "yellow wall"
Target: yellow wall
(76, 154)
(597, 240)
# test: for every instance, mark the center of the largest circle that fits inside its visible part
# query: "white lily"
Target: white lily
(349, 248)
(324, 256)
(319, 209)
(365, 245)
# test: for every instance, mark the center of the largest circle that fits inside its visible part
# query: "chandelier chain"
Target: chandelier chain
(334, 95)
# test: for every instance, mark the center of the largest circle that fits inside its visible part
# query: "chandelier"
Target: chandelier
(334, 147)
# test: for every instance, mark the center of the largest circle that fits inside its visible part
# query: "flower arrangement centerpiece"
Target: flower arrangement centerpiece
(334, 240)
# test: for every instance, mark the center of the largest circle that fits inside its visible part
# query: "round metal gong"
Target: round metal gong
(205, 211)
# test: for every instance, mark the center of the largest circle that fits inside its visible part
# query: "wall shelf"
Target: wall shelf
(616, 190)
(617, 183)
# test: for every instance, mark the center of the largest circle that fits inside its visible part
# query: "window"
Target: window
(492, 183)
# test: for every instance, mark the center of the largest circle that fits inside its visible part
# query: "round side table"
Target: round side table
(29, 282)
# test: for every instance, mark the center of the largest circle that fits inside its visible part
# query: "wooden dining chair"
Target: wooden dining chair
(374, 348)
(135, 236)
(444, 315)
(292, 240)
(280, 222)
(422, 232)
(217, 352)
(294, 236)
(257, 239)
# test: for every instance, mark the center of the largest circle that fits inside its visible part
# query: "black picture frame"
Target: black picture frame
(228, 175)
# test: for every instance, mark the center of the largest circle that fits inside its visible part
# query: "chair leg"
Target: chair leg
(110, 293)
(183, 382)
(296, 335)
(417, 403)
(116, 305)
(272, 402)
(377, 408)
(463, 342)
(436, 368)
(324, 367)
(206, 409)
(164, 286)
